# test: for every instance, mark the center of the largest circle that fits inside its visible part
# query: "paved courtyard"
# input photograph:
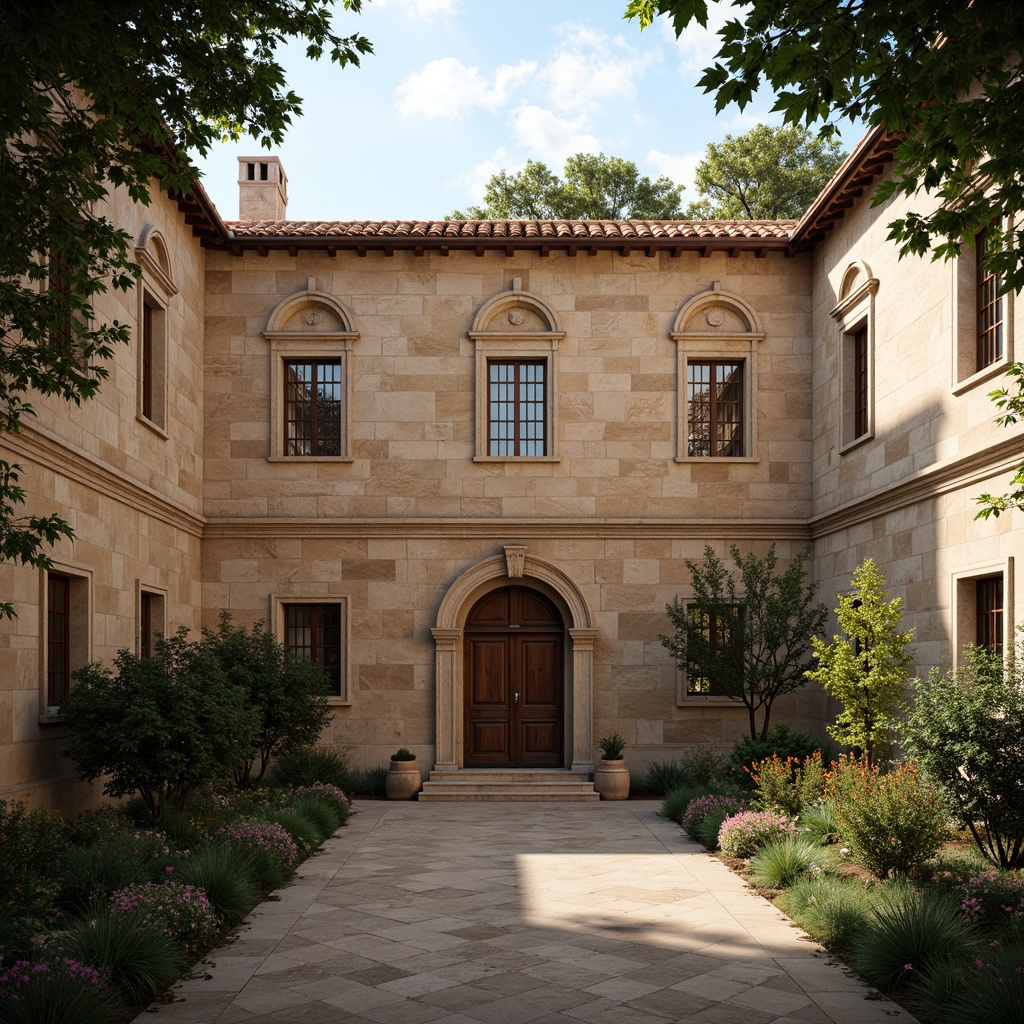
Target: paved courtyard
(491, 913)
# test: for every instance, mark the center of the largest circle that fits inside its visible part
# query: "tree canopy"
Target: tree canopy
(765, 174)
(96, 97)
(592, 188)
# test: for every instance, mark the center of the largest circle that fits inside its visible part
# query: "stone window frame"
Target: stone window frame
(963, 601)
(156, 290)
(296, 345)
(278, 603)
(717, 346)
(80, 638)
(855, 313)
(511, 345)
(158, 613)
(683, 697)
(964, 357)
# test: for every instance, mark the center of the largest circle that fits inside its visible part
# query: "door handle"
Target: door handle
(515, 697)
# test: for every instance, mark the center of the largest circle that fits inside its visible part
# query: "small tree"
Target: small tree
(286, 692)
(750, 639)
(966, 730)
(865, 670)
(159, 726)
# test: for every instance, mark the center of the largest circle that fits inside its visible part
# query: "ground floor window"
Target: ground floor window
(314, 631)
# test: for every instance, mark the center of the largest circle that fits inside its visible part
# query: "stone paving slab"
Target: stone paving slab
(493, 913)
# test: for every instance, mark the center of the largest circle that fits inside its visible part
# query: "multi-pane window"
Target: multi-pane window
(516, 413)
(989, 613)
(990, 308)
(58, 638)
(314, 631)
(313, 407)
(714, 397)
(146, 625)
(860, 382)
(715, 651)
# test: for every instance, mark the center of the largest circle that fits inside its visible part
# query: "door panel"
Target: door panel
(514, 683)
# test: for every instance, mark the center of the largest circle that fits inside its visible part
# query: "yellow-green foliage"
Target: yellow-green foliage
(865, 670)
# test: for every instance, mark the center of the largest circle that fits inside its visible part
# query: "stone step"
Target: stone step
(511, 785)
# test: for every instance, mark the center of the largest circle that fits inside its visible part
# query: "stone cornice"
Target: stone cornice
(31, 444)
(971, 470)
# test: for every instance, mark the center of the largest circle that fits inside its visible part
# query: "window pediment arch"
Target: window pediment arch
(153, 257)
(515, 312)
(310, 311)
(716, 313)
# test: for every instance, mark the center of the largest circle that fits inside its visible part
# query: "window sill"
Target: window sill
(339, 702)
(516, 458)
(856, 442)
(152, 425)
(700, 700)
(54, 718)
(1000, 366)
(701, 459)
(310, 458)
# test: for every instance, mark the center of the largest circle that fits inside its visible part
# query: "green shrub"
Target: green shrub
(270, 849)
(832, 910)
(743, 834)
(675, 803)
(987, 989)
(370, 782)
(335, 798)
(703, 765)
(661, 777)
(892, 822)
(909, 932)
(320, 811)
(994, 902)
(787, 785)
(226, 875)
(57, 990)
(818, 823)
(308, 765)
(707, 831)
(779, 864)
(966, 748)
(89, 873)
(136, 959)
(781, 741)
(303, 831)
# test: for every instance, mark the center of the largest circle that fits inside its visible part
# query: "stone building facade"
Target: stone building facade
(465, 463)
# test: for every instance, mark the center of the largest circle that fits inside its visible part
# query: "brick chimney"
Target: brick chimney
(262, 188)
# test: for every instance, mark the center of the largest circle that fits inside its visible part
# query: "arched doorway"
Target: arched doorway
(514, 689)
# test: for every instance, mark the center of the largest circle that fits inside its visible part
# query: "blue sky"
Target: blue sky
(458, 89)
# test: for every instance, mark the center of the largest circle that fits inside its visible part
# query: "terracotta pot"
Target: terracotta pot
(403, 781)
(611, 779)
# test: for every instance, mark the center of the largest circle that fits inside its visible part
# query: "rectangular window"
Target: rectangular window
(990, 308)
(148, 314)
(989, 613)
(62, 334)
(58, 638)
(313, 407)
(714, 398)
(860, 382)
(516, 408)
(314, 631)
(714, 639)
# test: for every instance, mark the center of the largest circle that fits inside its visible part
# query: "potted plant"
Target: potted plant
(403, 781)
(611, 777)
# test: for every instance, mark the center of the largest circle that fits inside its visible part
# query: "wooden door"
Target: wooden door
(514, 685)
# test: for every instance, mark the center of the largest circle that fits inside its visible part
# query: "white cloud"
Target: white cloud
(583, 72)
(449, 89)
(425, 10)
(697, 46)
(546, 136)
(681, 169)
(475, 180)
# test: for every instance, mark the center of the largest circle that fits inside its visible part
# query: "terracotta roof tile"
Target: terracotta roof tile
(513, 229)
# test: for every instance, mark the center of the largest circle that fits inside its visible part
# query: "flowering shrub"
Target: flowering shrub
(891, 822)
(267, 845)
(787, 785)
(994, 901)
(182, 912)
(59, 989)
(743, 834)
(700, 807)
(335, 794)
